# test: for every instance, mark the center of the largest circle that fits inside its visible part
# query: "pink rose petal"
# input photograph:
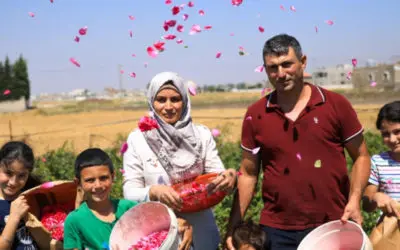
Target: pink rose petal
(168, 37)
(261, 29)
(195, 29)
(354, 62)
(122, 171)
(132, 74)
(121, 71)
(168, 1)
(373, 84)
(7, 92)
(255, 151)
(201, 12)
(123, 148)
(298, 156)
(31, 14)
(175, 10)
(218, 55)
(47, 185)
(282, 7)
(348, 75)
(152, 52)
(179, 28)
(249, 118)
(239, 173)
(133, 55)
(74, 61)
(259, 69)
(44, 159)
(179, 41)
(131, 17)
(207, 27)
(185, 17)
(145, 64)
(190, 4)
(292, 8)
(329, 22)
(130, 33)
(316, 29)
(231, 34)
(170, 23)
(82, 31)
(236, 2)
(77, 39)
(215, 132)
(192, 91)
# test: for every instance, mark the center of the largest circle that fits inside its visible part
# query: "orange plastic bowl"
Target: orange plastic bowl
(199, 200)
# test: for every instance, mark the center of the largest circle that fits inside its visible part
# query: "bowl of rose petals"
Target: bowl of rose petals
(195, 193)
(146, 226)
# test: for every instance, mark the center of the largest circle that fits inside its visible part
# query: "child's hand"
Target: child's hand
(186, 230)
(386, 204)
(19, 207)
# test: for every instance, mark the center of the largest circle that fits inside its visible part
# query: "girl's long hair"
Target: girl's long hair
(19, 151)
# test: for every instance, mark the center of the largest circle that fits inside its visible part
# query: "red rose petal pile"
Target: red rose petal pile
(53, 218)
(151, 242)
(147, 123)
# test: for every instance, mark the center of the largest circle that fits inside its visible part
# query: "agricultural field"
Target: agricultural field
(49, 126)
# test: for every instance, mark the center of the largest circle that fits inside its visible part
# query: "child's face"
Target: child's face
(12, 179)
(390, 132)
(96, 182)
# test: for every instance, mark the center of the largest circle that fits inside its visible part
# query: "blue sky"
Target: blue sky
(362, 29)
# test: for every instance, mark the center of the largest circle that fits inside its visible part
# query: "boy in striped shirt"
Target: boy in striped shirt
(383, 190)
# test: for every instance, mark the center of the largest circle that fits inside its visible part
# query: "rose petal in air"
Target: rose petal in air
(236, 2)
(255, 151)
(132, 74)
(175, 10)
(170, 23)
(282, 7)
(292, 8)
(298, 156)
(190, 4)
(259, 69)
(31, 14)
(44, 159)
(82, 31)
(168, 1)
(261, 29)
(207, 27)
(152, 52)
(131, 17)
(192, 91)
(145, 64)
(218, 55)
(179, 41)
(329, 22)
(130, 33)
(123, 148)
(238, 173)
(51, 1)
(179, 28)
(316, 29)
(47, 185)
(7, 92)
(185, 17)
(249, 118)
(354, 62)
(195, 29)
(159, 46)
(215, 132)
(77, 39)
(168, 37)
(201, 12)
(231, 34)
(122, 171)
(348, 75)
(74, 61)
(373, 84)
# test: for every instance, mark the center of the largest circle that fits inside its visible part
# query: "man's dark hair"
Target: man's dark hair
(389, 112)
(92, 157)
(248, 233)
(280, 44)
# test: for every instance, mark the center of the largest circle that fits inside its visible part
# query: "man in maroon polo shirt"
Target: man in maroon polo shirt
(297, 135)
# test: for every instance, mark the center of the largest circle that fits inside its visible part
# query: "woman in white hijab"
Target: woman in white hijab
(174, 151)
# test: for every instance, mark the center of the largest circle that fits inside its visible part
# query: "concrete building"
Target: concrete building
(383, 77)
(333, 77)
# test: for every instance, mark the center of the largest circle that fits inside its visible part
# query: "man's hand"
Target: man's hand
(386, 204)
(186, 230)
(352, 211)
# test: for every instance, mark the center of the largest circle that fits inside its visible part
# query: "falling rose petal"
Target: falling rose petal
(195, 29)
(152, 52)
(170, 23)
(201, 12)
(47, 185)
(255, 151)
(218, 55)
(122, 171)
(261, 29)
(31, 14)
(231, 34)
(175, 10)
(182, 6)
(74, 61)
(168, 1)
(348, 75)
(159, 46)
(130, 33)
(263, 91)
(168, 37)
(215, 132)
(185, 17)
(51, 1)
(190, 4)
(133, 55)
(165, 27)
(44, 159)
(207, 27)
(7, 92)
(329, 22)
(241, 48)
(131, 17)
(282, 7)
(249, 118)
(123, 148)
(298, 156)
(132, 74)
(145, 64)
(354, 62)
(292, 8)
(373, 84)
(236, 2)
(82, 31)
(192, 91)
(316, 29)
(121, 71)
(238, 173)
(259, 69)
(179, 28)
(77, 39)
(179, 41)
(317, 164)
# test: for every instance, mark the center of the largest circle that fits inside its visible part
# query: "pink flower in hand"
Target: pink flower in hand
(147, 123)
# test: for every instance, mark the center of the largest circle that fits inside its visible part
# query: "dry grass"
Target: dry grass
(77, 127)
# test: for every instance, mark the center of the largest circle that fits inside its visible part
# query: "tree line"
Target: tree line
(14, 80)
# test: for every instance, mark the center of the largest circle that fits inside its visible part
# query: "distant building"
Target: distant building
(383, 76)
(333, 77)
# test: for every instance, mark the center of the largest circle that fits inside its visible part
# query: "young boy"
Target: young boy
(249, 236)
(90, 225)
(383, 190)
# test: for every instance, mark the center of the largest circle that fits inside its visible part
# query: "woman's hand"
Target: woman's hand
(186, 230)
(386, 204)
(166, 195)
(225, 181)
(19, 207)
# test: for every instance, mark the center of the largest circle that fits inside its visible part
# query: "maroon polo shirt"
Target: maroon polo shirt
(305, 181)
